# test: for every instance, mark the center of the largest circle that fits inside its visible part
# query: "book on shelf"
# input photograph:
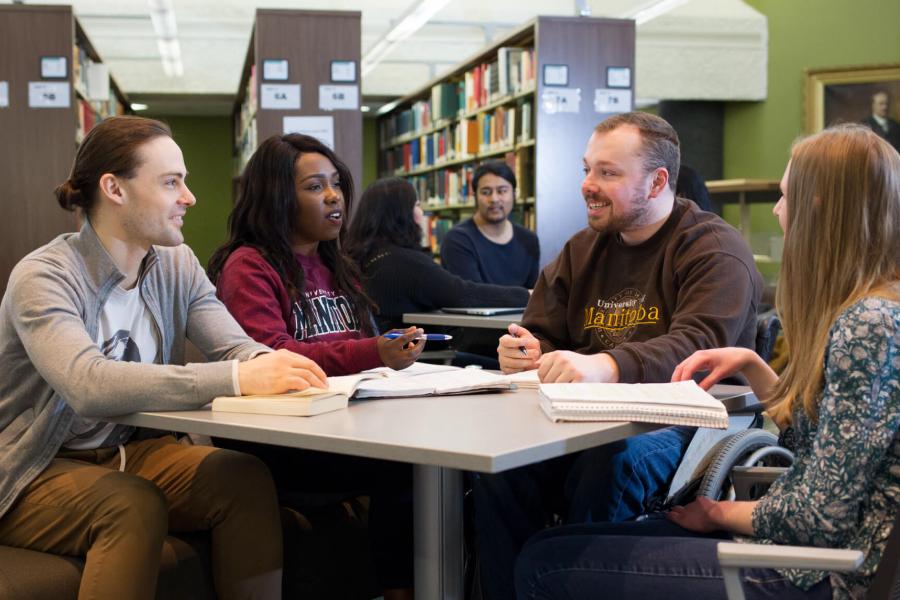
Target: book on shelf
(96, 98)
(525, 127)
(445, 100)
(417, 380)
(506, 57)
(523, 166)
(437, 231)
(443, 187)
(681, 403)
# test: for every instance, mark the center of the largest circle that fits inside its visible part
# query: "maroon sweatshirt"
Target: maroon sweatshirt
(332, 336)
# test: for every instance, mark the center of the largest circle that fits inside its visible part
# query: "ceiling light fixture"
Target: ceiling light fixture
(136, 106)
(387, 108)
(653, 11)
(416, 16)
(162, 15)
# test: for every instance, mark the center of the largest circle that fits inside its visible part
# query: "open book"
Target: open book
(457, 381)
(681, 403)
(416, 380)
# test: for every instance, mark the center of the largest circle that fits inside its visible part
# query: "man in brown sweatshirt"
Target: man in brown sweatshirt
(650, 281)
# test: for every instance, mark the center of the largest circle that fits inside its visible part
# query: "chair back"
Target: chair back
(767, 327)
(886, 583)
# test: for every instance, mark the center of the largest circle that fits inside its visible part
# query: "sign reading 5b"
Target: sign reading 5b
(338, 97)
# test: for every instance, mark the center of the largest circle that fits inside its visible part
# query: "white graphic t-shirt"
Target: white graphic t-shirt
(126, 333)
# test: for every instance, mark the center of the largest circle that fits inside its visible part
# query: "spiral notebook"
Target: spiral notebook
(681, 403)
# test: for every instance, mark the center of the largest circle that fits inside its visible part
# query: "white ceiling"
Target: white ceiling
(214, 35)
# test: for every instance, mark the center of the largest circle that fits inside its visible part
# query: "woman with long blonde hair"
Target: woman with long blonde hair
(837, 405)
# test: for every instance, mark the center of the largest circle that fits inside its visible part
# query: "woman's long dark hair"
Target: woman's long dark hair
(385, 216)
(266, 212)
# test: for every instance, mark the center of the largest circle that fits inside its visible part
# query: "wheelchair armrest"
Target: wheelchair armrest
(736, 398)
(733, 556)
(768, 556)
(744, 478)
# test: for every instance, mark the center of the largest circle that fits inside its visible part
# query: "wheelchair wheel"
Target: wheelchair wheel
(746, 448)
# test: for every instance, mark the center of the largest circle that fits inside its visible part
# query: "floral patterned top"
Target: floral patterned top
(843, 490)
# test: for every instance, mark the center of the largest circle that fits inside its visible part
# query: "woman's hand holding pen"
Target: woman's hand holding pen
(518, 350)
(401, 351)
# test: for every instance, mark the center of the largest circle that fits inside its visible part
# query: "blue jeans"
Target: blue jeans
(644, 559)
(615, 482)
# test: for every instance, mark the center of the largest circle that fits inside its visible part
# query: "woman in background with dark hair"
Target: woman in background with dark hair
(284, 277)
(385, 240)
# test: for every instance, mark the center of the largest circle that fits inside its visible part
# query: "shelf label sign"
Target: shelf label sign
(279, 96)
(321, 128)
(609, 101)
(4, 94)
(561, 100)
(338, 97)
(46, 94)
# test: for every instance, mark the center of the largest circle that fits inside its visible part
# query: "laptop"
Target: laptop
(485, 311)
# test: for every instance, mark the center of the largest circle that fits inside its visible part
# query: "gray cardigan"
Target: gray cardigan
(51, 367)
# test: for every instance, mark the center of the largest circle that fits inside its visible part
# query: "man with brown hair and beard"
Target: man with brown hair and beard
(651, 280)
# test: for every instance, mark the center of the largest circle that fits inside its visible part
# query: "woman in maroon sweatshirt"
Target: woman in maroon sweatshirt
(282, 273)
(284, 277)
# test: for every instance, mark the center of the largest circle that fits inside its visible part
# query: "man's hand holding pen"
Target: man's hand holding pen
(518, 350)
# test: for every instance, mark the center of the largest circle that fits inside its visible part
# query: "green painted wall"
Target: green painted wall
(803, 34)
(370, 154)
(206, 144)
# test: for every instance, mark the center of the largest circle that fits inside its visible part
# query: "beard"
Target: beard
(636, 214)
(491, 216)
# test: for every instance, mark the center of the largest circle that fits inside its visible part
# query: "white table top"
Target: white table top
(456, 320)
(478, 432)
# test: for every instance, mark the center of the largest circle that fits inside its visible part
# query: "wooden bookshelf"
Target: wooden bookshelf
(39, 143)
(496, 105)
(309, 41)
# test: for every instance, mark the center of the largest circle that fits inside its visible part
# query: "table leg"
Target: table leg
(438, 508)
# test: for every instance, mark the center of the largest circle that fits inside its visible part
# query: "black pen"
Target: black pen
(522, 348)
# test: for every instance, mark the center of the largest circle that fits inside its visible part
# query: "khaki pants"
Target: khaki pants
(81, 505)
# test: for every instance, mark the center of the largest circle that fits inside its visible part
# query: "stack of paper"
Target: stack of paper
(525, 380)
(682, 403)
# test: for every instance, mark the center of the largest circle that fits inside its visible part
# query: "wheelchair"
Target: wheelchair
(706, 469)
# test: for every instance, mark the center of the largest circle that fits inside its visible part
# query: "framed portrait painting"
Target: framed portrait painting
(868, 95)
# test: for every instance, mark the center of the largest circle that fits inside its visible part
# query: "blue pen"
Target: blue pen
(432, 337)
